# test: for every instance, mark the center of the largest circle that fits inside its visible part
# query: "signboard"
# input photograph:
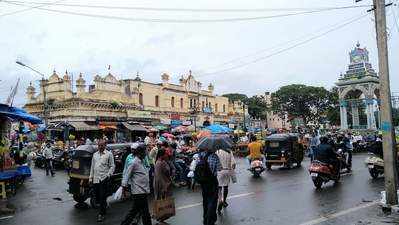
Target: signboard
(165, 121)
(175, 122)
(174, 116)
(138, 114)
(186, 123)
(207, 110)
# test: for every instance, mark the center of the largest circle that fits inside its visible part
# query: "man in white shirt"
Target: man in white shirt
(48, 155)
(102, 168)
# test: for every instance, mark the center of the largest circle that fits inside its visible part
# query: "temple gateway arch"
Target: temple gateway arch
(358, 92)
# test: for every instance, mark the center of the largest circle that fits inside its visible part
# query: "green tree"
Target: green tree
(332, 113)
(236, 96)
(257, 106)
(300, 101)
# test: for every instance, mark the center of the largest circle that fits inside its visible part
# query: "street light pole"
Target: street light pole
(42, 83)
(390, 154)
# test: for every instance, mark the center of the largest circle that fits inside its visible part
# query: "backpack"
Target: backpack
(202, 172)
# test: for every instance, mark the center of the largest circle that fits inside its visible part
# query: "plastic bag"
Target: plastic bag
(190, 174)
(118, 195)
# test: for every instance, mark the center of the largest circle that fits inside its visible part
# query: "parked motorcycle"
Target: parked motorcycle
(321, 172)
(256, 168)
(375, 165)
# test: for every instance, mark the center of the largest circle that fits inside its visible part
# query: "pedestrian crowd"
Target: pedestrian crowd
(151, 171)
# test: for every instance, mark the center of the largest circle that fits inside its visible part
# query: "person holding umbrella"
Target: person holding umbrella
(206, 172)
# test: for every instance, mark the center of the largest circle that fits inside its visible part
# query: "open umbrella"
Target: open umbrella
(179, 129)
(214, 143)
(161, 127)
(167, 135)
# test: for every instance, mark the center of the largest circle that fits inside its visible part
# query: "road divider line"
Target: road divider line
(338, 214)
(200, 203)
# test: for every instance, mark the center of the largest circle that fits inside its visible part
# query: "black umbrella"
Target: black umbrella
(214, 143)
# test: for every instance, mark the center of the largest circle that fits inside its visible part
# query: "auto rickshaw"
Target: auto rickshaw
(79, 173)
(283, 150)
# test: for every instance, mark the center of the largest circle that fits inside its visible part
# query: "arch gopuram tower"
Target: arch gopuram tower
(358, 92)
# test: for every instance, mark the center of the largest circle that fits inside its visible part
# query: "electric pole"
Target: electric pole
(389, 146)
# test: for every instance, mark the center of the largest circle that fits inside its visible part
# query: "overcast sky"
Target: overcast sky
(47, 41)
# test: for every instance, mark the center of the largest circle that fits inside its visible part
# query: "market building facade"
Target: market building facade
(109, 101)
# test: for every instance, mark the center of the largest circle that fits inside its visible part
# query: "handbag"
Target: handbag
(163, 208)
(118, 195)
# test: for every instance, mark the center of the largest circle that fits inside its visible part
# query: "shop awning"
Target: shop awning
(82, 126)
(107, 125)
(18, 114)
(134, 127)
(60, 126)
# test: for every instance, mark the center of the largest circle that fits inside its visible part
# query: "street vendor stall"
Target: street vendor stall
(10, 173)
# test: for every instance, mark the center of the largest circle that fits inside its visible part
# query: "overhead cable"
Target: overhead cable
(208, 10)
(29, 8)
(158, 20)
(284, 49)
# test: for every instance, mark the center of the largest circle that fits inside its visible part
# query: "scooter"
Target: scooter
(375, 165)
(256, 168)
(321, 172)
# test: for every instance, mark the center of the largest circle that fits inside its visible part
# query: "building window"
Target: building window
(181, 103)
(216, 107)
(203, 105)
(224, 108)
(172, 102)
(156, 101)
(191, 103)
(141, 99)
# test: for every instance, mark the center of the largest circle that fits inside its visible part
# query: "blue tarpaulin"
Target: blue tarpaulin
(218, 129)
(18, 114)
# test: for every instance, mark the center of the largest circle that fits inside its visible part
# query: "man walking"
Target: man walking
(102, 168)
(137, 176)
(48, 155)
(206, 175)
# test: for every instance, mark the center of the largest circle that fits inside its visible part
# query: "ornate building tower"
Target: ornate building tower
(30, 92)
(165, 79)
(80, 85)
(359, 92)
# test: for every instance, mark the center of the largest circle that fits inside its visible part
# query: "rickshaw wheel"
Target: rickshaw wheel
(79, 198)
(373, 173)
(289, 164)
(318, 183)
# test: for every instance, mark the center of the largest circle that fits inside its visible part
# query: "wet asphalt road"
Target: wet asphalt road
(281, 197)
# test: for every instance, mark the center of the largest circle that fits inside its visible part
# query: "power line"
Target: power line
(157, 20)
(284, 49)
(29, 8)
(192, 9)
(271, 48)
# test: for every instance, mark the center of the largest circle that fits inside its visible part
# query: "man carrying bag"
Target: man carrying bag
(137, 177)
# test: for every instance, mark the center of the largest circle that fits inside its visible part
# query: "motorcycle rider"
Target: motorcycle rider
(325, 153)
(255, 150)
